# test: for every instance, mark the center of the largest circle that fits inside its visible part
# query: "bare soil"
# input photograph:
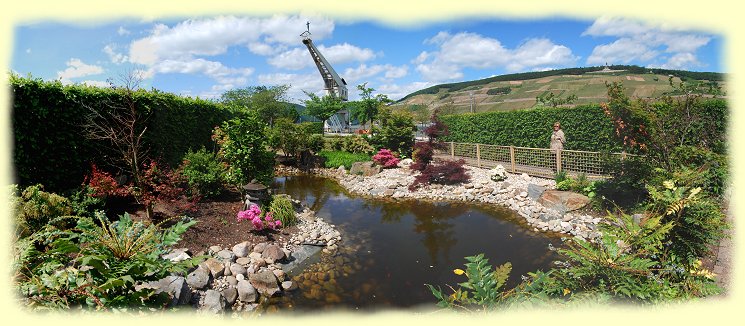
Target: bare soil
(216, 224)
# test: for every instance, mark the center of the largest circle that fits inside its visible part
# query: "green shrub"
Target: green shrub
(334, 143)
(712, 169)
(243, 146)
(334, 159)
(499, 91)
(98, 265)
(626, 187)
(396, 132)
(698, 221)
(34, 208)
(282, 210)
(560, 176)
(312, 127)
(84, 202)
(357, 144)
(566, 184)
(586, 128)
(205, 174)
(316, 143)
(482, 288)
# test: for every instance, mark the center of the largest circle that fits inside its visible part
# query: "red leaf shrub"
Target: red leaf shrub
(386, 158)
(445, 173)
(103, 184)
(423, 153)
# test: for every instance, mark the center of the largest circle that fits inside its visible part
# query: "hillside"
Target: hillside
(519, 91)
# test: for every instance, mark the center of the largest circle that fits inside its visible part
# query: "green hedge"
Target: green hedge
(585, 128)
(313, 127)
(49, 147)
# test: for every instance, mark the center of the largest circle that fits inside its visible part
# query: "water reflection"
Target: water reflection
(390, 249)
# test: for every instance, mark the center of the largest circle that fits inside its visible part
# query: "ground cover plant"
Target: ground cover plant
(334, 159)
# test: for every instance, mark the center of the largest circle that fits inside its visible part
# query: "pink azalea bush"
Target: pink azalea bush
(253, 214)
(386, 158)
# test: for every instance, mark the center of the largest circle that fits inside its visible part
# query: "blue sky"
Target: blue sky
(205, 56)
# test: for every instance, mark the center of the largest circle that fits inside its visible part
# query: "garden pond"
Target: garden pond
(391, 248)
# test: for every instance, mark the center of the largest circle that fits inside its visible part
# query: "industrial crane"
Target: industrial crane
(333, 84)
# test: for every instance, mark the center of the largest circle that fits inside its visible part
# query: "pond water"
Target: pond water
(390, 249)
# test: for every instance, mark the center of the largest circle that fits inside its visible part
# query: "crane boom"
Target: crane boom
(334, 85)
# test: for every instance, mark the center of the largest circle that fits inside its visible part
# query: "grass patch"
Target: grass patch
(336, 158)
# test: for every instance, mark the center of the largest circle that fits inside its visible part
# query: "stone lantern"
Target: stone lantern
(255, 193)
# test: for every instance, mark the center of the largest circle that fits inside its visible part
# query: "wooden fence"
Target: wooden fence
(541, 162)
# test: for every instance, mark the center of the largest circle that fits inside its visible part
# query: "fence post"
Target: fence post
(558, 160)
(512, 158)
(452, 149)
(478, 155)
(623, 155)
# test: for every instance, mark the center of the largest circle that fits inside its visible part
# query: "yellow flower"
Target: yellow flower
(567, 291)
(458, 271)
(669, 184)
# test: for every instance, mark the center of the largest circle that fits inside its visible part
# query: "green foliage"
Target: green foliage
(499, 91)
(316, 143)
(205, 174)
(47, 119)
(357, 144)
(626, 187)
(566, 184)
(334, 159)
(712, 171)
(269, 103)
(322, 107)
(84, 202)
(586, 128)
(96, 265)
(396, 132)
(34, 208)
(243, 146)
(312, 127)
(481, 290)
(698, 221)
(552, 100)
(282, 209)
(560, 176)
(366, 109)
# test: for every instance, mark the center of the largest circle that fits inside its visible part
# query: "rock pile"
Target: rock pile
(532, 198)
(237, 278)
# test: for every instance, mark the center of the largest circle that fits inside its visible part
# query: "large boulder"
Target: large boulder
(365, 169)
(199, 278)
(175, 286)
(215, 267)
(213, 302)
(563, 201)
(265, 282)
(242, 249)
(535, 191)
(246, 292)
(274, 253)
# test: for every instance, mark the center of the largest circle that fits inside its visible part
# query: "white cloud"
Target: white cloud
(471, 50)
(682, 61)
(77, 68)
(265, 49)
(643, 43)
(394, 72)
(123, 31)
(227, 77)
(299, 58)
(621, 51)
(395, 91)
(114, 56)
(298, 83)
(209, 37)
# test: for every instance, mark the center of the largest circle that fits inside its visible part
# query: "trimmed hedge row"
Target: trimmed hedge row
(585, 127)
(50, 148)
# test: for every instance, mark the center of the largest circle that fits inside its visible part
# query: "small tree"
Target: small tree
(396, 131)
(366, 109)
(322, 107)
(120, 126)
(269, 103)
(243, 145)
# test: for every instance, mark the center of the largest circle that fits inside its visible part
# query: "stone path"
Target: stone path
(724, 253)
